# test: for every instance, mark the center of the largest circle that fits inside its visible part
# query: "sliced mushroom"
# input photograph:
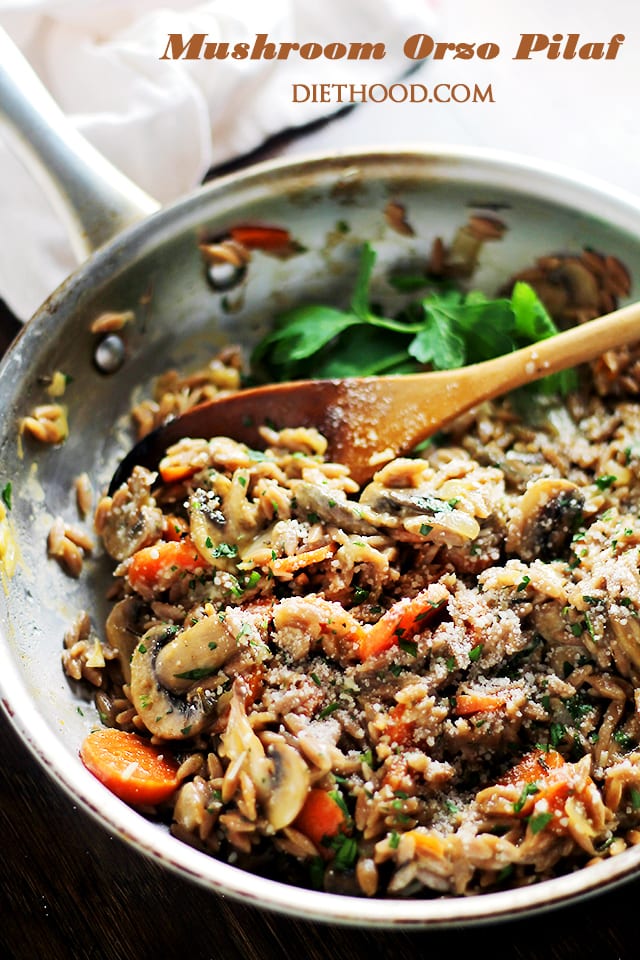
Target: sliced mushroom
(123, 631)
(194, 654)
(165, 713)
(280, 775)
(207, 526)
(331, 506)
(545, 519)
(130, 519)
(392, 504)
(222, 519)
(418, 512)
(576, 287)
(624, 638)
(287, 786)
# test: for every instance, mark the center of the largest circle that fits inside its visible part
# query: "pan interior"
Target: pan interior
(157, 271)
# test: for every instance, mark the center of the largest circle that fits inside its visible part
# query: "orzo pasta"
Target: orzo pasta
(428, 686)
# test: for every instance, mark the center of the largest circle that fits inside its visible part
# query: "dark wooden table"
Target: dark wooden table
(69, 891)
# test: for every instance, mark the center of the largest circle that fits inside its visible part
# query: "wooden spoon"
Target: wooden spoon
(369, 420)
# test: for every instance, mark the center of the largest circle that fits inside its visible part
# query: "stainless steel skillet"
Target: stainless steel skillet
(153, 267)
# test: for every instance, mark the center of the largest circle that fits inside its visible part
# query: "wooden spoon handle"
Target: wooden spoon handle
(396, 413)
(568, 349)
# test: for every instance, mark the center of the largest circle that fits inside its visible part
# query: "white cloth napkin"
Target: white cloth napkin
(164, 123)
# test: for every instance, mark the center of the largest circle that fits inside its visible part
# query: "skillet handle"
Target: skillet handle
(95, 199)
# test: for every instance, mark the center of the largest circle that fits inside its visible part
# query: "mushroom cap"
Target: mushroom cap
(545, 519)
(165, 713)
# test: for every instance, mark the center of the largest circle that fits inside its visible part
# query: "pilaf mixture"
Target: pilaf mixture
(429, 686)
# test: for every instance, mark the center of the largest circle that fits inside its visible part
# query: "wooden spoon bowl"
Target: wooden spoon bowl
(370, 420)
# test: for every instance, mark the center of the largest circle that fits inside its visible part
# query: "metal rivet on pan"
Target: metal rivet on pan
(109, 354)
(225, 276)
(225, 262)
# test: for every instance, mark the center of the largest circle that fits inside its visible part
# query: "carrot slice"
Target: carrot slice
(174, 528)
(261, 238)
(427, 843)
(159, 566)
(173, 470)
(534, 766)
(398, 729)
(287, 566)
(468, 703)
(404, 619)
(545, 769)
(321, 818)
(134, 769)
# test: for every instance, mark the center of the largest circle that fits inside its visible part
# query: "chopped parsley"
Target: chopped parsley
(528, 790)
(224, 549)
(345, 852)
(578, 707)
(409, 646)
(360, 594)
(328, 710)
(605, 481)
(7, 494)
(539, 821)
(557, 733)
(198, 673)
(622, 738)
(337, 797)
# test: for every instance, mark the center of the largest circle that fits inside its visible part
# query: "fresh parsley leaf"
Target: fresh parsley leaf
(371, 355)
(532, 321)
(438, 343)
(300, 333)
(443, 328)
(487, 327)
(360, 296)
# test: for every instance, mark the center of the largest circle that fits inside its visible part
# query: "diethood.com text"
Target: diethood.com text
(420, 46)
(395, 93)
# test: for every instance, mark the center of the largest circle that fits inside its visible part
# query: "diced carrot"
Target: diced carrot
(288, 566)
(254, 683)
(173, 470)
(321, 819)
(402, 621)
(261, 238)
(468, 703)
(399, 730)
(134, 769)
(548, 770)
(534, 766)
(174, 528)
(426, 842)
(159, 566)
(396, 771)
